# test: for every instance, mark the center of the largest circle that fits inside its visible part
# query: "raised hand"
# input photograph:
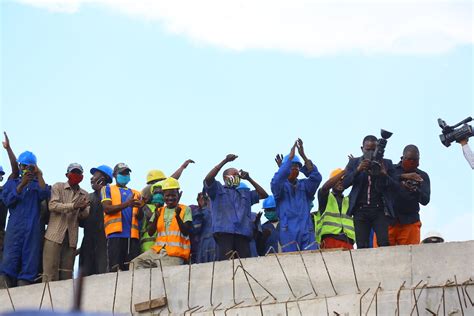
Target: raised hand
(244, 175)
(299, 144)
(187, 162)
(279, 159)
(6, 142)
(292, 151)
(230, 157)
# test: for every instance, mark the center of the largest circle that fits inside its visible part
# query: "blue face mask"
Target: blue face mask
(158, 199)
(123, 180)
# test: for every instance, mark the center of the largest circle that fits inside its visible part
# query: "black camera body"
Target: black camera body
(413, 183)
(376, 156)
(451, 133)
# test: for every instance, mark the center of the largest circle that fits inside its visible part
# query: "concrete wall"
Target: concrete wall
(430, 266)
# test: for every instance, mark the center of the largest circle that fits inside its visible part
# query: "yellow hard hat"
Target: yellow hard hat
(154, 175)
(169, 184)
(335, 172)
(155, 185)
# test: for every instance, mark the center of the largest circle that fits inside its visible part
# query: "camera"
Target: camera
(30, 168)
(413, 184)
(451, 133)
(376, 156)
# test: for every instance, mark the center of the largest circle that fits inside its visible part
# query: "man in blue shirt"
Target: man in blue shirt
(23, 238)
(230, 208)
(293, 199)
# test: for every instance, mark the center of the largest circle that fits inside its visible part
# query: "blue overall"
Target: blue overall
(23, 238)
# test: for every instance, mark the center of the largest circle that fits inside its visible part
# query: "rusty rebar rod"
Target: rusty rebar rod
(372, 300)
(212, 282)
(261, 308)
(256, 281)
(115, 292)
(360, 301)
(416, 298)
(235, 305)
(459, 296)
(9, 295)
(354, 271)
(397, 311)
(189, 281)
(327, 270)
(164, 287)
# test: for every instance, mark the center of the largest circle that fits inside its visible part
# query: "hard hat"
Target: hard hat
(269, 202)
(335, 172)
(106, 170)
(295, 159)
(157, 184)
(432, 237)
(27, 158)
(170, 184)
(1, 171)
(243, 186)
(154, 175)
(120, 167)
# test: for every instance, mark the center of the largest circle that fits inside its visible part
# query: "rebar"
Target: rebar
(235, 305)
(372, 300)
(9, 295)
(261, 308)
(416, 298)
(459, 296)
(256, 281)
(354, 270)
(212, 282)
(189, 281)
(284, 274)
(131, 287)
(397, 311)
(115, 292)
(360, 301)
(164, 287)
(327, 270)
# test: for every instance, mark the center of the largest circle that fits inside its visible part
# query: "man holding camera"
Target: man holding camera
(467, 152)
(414, 190)
(22, 249)
(371, 197)
(231, 208)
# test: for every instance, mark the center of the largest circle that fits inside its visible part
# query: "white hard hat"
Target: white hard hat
(432, 237)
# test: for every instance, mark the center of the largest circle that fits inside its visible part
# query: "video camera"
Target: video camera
(451, 134)
(376, 156)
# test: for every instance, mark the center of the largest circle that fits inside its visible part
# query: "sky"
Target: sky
(153, 83)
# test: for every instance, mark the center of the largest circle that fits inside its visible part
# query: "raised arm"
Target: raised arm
(180, 170)
(261, 191)
(328, 185)
(11, 156)
(211, 176)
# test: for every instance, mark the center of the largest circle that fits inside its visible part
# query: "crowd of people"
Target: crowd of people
(130, 229)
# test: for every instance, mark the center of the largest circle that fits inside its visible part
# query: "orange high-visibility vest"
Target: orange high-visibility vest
(113, 222)
(175, 243)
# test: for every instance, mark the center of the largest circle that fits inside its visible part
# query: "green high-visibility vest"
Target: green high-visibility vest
(332, 221)
(147, 241)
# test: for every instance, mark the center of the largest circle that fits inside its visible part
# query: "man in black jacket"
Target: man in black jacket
(371, 197)
(414, 190)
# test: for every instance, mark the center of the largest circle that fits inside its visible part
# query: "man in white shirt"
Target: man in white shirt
(467, 152)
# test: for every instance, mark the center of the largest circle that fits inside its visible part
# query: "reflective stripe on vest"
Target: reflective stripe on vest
(333, 222)
(113, 222)
(176, 244)
(147, 241)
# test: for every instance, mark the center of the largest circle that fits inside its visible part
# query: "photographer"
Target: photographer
(414, 190)
(467, 152)
(371, 197)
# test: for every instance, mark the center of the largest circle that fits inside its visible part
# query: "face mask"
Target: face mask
(74, 178)
(232, 181)
(409, 165)
(123, 180)
(158, 199)
(271, 216)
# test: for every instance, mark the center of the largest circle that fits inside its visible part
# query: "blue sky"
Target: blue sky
(103, 82)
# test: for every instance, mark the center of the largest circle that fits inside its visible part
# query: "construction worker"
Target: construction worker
(270, 241)
(334, 228)
(23, 238)
(414, 190)
(67, 205)
(93, 252)
(293, 199)
(155, 176)
(172, 225)
(149, 212)
(3, 208)
(231, 224)
(207, 250)
(122, 209)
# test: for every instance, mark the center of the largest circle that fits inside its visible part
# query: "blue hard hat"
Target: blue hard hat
(296, 159)
(27, 158)
(1, 171)
(105, 170)
(243, 186)
(269, 202)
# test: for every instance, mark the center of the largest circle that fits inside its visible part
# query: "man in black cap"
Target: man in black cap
(67, 205)
(93, 254)
(122, 211)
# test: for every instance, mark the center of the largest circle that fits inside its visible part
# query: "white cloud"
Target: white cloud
(317, 27)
